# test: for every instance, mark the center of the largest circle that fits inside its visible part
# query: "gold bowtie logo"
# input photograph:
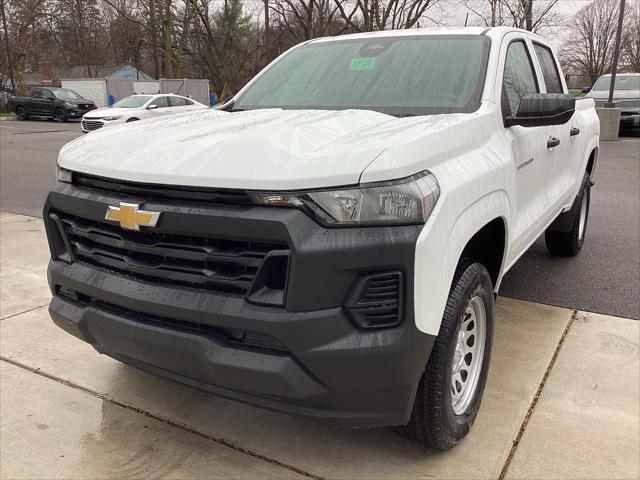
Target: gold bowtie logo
(129, 217)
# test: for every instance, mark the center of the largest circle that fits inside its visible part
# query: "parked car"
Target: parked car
(59, 103)
(330, 242)
(139, 107)
(626, 96)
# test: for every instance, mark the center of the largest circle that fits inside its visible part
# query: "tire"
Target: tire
(60, 115)
(439, 418)
(21, 113)
(133, 119)
(569, 243)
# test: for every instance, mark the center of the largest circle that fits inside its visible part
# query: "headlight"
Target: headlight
(64, 175)
(108, 119)
(400, 202)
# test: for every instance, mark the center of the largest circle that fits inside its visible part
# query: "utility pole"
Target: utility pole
(6, 46)
(616, 52)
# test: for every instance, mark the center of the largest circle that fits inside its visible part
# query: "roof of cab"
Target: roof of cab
(492, 32)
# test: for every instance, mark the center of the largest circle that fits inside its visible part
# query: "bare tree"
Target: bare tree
(307, 19)
(630, 54)
(370, 15)
(532, 15)
(589, 50)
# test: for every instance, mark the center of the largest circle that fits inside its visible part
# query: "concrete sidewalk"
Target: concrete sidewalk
(562, 401)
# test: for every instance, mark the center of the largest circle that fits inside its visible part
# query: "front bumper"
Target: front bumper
(325, 367)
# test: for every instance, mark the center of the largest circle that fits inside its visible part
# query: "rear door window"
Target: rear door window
(177, 101)
(549, 69)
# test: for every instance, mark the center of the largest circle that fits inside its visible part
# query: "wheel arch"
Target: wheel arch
(592, 162)
(480, 232)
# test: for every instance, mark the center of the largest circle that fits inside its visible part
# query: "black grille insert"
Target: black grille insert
(228, 266)
(376, 301)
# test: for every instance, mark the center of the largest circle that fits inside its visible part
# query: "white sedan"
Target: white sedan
(138, 107)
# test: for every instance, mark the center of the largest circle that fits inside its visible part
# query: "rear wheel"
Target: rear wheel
(61, 115)
(451, 387)
(21, 113)
(569, 243)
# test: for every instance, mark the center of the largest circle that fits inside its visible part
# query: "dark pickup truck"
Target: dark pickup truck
(59, 103)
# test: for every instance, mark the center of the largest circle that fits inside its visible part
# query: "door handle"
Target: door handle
(574, 131)
(553, 142)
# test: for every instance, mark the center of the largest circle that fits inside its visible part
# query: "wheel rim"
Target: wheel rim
(20, 113)
(59, 114)
(583, 217)
(468, 356)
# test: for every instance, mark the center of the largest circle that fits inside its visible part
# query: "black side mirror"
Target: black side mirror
(543, 109)
(586, 89)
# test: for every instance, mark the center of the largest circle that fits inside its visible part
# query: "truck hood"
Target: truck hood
(257, 149)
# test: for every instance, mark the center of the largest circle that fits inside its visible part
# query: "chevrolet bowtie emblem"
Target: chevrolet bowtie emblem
(129, 217)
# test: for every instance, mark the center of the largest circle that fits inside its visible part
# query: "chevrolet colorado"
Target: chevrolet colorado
(330, 242)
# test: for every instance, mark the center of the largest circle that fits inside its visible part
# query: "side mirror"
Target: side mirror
(543, 109)
(152, 107)
(586, 89)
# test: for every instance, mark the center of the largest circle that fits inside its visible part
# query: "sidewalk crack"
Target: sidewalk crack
(211, 438)
(22, 313)
(536, 397)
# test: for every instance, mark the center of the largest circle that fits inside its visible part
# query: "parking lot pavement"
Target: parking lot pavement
(70, 412)
(28, 155)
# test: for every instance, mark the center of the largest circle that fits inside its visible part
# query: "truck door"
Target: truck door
(568, 157)
(34, 103)
(48, 102)
(532, 150)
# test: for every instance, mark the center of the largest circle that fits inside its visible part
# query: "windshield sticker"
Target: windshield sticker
(362, 63)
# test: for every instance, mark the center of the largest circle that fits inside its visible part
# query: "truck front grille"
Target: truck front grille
(92, 124)
(221, 265)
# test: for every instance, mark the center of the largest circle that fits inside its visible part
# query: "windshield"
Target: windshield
(623, 82)
(134, 101)
(66, 94)
(408, 75)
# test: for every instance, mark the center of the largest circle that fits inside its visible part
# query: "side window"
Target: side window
(36, 93)
(47, 94)
(549, 69)
(519, 76)
(161, 102)
(187, 102)
(177, 101)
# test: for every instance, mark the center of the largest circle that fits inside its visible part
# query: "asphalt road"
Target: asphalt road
(604, 278)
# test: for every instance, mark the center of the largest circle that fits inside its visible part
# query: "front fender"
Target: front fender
(438, 251)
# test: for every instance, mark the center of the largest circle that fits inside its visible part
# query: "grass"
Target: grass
(7, 115)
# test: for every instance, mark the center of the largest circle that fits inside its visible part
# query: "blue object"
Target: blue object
(110, 99)
(212, 99)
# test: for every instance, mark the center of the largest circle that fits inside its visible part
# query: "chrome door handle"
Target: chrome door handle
(553, 142)
(574, 131)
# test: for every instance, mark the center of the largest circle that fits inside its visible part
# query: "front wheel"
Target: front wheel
(21, 113)
(451, 386)
(61, 115)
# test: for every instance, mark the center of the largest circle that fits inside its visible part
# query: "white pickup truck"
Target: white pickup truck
(330, 242)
